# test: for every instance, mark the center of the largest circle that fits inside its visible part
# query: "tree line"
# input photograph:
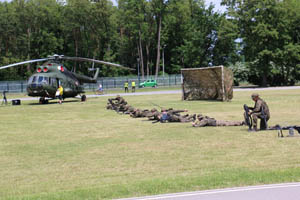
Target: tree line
(257, 39)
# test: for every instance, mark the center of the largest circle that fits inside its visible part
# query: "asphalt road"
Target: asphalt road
(168, 92)
(287, 191)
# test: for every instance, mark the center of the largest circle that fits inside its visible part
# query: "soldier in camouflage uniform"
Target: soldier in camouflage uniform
(138, 113)
(122, 107)
(153, 114)
(109, 106)
(261, 111)
(128, 109)
(209, 121)
(117, 103)
(182, 119)
(171, 111)
(174, 116)
(117, 100)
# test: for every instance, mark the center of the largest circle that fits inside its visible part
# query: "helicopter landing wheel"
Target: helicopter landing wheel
(83, 98)
(43, 100)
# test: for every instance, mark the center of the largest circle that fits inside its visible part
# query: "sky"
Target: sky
(215, 2)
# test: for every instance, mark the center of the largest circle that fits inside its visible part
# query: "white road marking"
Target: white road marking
(218, 191)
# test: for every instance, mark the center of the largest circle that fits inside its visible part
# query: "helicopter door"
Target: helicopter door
(54, 82)
(58, 82)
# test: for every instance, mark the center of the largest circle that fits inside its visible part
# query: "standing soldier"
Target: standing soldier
(133, 86)
(126, 86)
(261, 111)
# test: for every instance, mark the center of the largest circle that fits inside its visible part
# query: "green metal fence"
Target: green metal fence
(107, 83)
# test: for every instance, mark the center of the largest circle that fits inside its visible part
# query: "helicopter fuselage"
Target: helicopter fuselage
(49, 76)
(46, 84)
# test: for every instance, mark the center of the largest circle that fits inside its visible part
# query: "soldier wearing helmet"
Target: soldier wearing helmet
(261, 111)
(117, 102)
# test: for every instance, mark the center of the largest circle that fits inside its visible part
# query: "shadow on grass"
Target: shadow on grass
(54, 102)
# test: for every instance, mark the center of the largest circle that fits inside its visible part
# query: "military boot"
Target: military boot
(254, 129)
(263, 125)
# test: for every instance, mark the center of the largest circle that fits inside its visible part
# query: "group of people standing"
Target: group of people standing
(166, 115)
(126, 86)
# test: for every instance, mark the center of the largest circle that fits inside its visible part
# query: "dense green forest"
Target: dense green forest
(258, 39)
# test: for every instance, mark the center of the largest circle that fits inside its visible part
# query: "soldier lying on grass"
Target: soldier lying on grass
(174, 116)
(209, 121)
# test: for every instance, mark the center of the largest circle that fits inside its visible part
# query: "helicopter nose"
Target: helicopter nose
(35, 88)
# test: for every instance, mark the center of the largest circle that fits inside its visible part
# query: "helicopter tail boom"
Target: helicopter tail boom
(86, 79)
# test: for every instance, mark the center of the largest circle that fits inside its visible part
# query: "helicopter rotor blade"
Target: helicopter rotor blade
(23, 63)
(95, 61)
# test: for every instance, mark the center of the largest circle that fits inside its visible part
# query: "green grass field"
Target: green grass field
(83, 151)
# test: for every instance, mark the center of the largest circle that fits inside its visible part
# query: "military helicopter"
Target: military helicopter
(50, 75)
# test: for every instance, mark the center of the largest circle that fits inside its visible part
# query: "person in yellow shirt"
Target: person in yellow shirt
(126, 86)
(60, 92)
(132, 86)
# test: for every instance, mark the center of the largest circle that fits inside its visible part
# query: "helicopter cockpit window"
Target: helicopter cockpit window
(46, 80)
(32, 79)
(40, 79)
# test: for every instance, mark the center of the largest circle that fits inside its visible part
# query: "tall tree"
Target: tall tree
(176, 26)
(132, 16)
(159, 9)
(201, 37)
(265, 30)
(287, 54)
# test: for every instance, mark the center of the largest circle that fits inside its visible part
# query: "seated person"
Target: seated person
(261, 111)
(100, 89)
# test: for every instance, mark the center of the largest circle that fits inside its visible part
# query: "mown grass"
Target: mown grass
(83, 151)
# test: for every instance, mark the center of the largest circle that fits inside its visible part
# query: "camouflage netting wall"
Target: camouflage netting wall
(210, 83)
